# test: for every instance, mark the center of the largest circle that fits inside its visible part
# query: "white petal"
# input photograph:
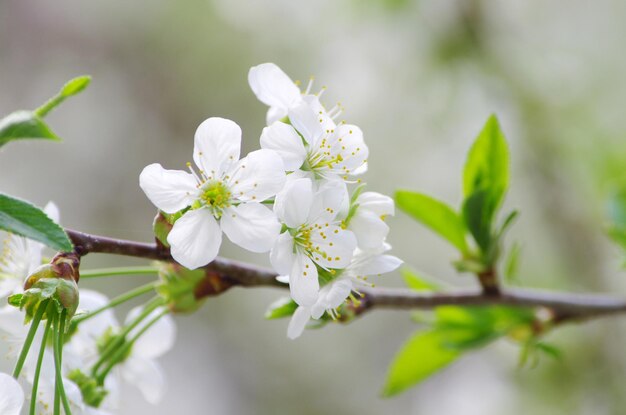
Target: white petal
(369, 228)
(217, 144)
(332, 296)
(303, 282)
(283, 278)
(168, 190)
(377, 264)
(195, 238)
(275, 114)
(11, 395)
(317, 107)
(283, 139)
(348, 142)
(258, 176)
(306, 122)
(89, 301)
(282, 255)
(338, 244)
(52, 210)
(147, 376)
(298, 321)
(378, 203)
(252, 226)
(293, 203)
(331, 199)
(158, 339)
(9, 286)
(272, 86)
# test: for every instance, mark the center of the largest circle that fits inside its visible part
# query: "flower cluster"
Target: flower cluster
(298, 197)
(85, 344)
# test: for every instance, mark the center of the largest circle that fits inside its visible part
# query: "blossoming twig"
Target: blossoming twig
(563, 306)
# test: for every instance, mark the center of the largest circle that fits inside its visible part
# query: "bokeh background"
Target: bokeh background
(420, 78)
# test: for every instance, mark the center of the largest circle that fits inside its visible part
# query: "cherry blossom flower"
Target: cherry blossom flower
(333, 294)
(274, 88)
(313, 236)
(336, 153)
(20, 256)
(224, 195)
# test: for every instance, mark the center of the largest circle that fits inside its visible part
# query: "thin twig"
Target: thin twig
(563, 306)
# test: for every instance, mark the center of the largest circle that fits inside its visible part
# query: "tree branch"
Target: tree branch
(563, 306)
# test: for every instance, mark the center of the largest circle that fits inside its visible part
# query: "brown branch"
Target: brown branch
(563, 306)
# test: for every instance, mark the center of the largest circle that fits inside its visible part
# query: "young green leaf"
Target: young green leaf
(487, 165)
(616, 209)
(416, 282)
(72, 87)
(21, 125)
(421, 356)
(22, 218)
(479, 210)
(434, 214)
(283, 307)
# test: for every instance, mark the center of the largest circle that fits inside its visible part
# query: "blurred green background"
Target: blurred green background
(420, 78)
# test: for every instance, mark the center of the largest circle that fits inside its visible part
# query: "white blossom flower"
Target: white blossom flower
(20, 256)
(368, 220)
(313, 236)
(11, 395)
(333, 294)
(274, 88)
(140, 368)
(224, 196)
(335, 153)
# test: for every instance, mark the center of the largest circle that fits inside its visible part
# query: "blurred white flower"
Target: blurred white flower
(20, 256)
(333, 294)
(224, 195)
(140, 368)
(313, 236)
(368, 220)
(11, 395)
(334, 153)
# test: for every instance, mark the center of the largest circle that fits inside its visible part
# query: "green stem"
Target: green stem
(42, 350)
(34, 325)
(122, 350)
(119, 341)
(49, 105)
(115, 302)
(107, 272)
(58, 355)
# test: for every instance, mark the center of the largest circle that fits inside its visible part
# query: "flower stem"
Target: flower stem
(120, 340)
(120, 352)
(107, 272)
(34, 325)
(42, 350)
(58, 353)
(115, 302)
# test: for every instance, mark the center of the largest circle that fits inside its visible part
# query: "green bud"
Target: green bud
(179, 287)
(93, 394)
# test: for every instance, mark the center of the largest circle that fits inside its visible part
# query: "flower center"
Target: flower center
(216, 196)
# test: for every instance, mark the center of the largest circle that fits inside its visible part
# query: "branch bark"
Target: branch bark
(563, 306)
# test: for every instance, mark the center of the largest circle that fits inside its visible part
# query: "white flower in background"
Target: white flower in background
(337, 153)
(11, 395)
(368, 220)
(274, 88)
(140, 367)
(224, 196)
(333, 294)
(20, 256)
(314, 236)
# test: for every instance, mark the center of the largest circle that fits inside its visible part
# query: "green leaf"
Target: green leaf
(416, 282)
(421, 356)
(21, 218)
(487, 165)
(74, 86)
(512, 263)
(616, 209)
(283, 307)
(478, 212)
(434, 214)
(22, 125)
